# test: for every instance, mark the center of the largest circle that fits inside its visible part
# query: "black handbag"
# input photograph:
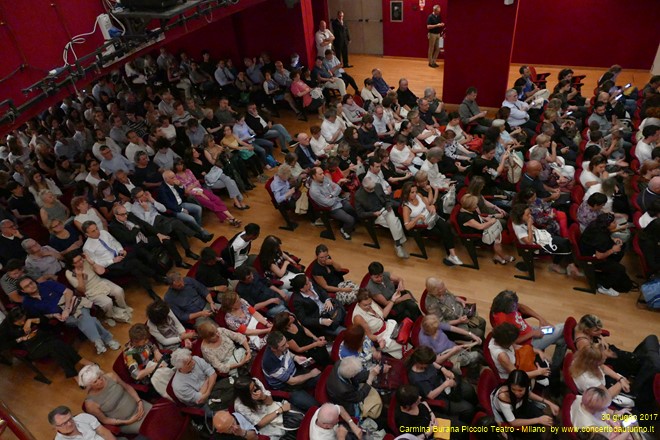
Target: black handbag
(162, 260)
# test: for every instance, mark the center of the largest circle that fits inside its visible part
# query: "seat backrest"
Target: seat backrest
(270, 191)
(487, 356)
(334, 353)
(646, 271)
(577, 194)
(574, 237)
(365, 281)
(321, 390)
(220, 318)
(308, 270)
(573, 211)
(488, 381)
(219, 244)
(568, 379)
(422, 302)
(121, 370)
(391, 423)
(414, 333)
(566, 413)
(348, 320)
(303, 431)
(196, 348)
(192, 272)
(656, 387)
(164, 422)
(256, 264)
(569, 332)
(255, 369)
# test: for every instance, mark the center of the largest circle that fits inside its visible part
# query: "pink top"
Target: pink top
(299, 86)
(188, 179)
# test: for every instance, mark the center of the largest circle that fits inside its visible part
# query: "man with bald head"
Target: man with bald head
(306, 157)
(325, 424)
(323, 38)
(652, 193)
(531, 179)
(173, 196)
(233, 426)
(405, 96)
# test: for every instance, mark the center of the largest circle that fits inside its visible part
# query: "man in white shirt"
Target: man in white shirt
(519, 116)
(323, 38)
(136, 144)
(383, 124)
(332, 128)
(376, 175)
(81, 427)
(325, 423)
(110, 257)
(238, 250)
(102, 140)
(644, 148)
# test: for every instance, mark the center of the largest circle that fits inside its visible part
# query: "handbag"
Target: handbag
(402, 331)
(492, 234)
(162, 260)
(213, 175)
(245, 154)
(372, 405)
(316, 93)
(337, 314)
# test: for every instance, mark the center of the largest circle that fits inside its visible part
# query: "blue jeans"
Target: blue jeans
(274, 310)
(89, 326)
(555, 338)
(193, 217)
(281, 134)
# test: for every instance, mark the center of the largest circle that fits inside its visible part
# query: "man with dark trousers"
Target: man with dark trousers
(342, 38)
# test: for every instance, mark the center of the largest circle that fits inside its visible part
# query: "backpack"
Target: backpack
(651, 294)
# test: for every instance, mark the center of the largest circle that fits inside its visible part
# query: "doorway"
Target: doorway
(365, 24)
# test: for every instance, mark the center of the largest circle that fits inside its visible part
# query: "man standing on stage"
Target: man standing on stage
(342, 38)
(436, 29)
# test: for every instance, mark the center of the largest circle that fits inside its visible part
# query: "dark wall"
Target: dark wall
(480, 57)
(408, 38)
(590, 33)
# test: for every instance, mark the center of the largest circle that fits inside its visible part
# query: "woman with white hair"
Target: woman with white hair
(591, 410)
(350, 385)
(111, 400)
(51, 208)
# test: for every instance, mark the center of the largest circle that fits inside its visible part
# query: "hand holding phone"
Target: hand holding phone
(547, 330)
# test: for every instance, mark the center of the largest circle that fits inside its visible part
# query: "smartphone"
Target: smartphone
(569, 113)
(547, 330)
(307, 362)
(627, 85)
(618, 97)
(628, 421)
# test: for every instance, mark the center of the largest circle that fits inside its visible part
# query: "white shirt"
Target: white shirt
(237, 246)
(380, 178)
(371, 95)
(318, 146)
(587, 380)
(436, 178)
(87, 424)
(318, 433)
(98, 252)
(96, 148)
(581, 418)
(328, 129)
(132, 148)
(380, 124)
(398, 157)
(319, 37)
(518, 114)
(495, 350)
(643, 151)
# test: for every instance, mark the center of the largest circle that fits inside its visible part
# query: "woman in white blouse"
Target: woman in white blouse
(369, 93)
(83, 212)
(591, 410)
(589, 370)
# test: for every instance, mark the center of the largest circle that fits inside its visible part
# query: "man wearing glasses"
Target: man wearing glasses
(81, 427)
(10, 242)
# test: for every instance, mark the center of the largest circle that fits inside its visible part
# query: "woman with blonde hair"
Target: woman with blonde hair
(471, 222)
(588, 369)
(434, 335)
(225, 350)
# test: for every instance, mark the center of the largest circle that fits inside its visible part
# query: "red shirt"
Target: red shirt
(516, 319)
(336, 175)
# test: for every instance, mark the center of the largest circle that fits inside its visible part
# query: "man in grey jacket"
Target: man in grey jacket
(372, 203)
(325, 193)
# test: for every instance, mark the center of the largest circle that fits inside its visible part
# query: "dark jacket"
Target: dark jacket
(340, 31)
(127, 237)
(368, 138)
(303, 159)
(306, 309)
(347, 393)
(366, 203)
(167, 197)
(255, 124)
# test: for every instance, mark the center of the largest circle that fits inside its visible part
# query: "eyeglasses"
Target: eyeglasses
(66, 422)
(122, 213)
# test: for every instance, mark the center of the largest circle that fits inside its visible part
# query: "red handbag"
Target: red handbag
(402, 331)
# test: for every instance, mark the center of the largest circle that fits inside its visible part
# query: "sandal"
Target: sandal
(235, 223)
(241, 208)
(500, 261)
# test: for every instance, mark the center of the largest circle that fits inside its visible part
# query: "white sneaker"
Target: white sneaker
(344, 234)
(318, 222)
(608, 292)
(114, 345)
(401, 252)
(100, 347)
(454, 259)
(111, 322)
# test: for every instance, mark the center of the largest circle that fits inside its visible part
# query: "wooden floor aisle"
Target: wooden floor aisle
(551, 295)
